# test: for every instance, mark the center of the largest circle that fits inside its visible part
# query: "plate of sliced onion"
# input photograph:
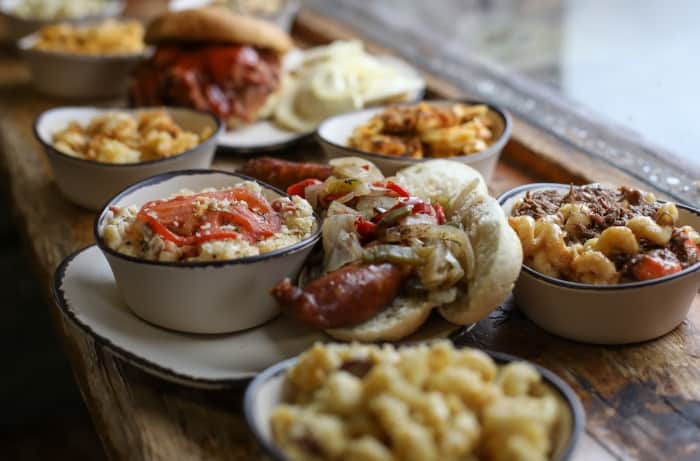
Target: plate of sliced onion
(320, 82)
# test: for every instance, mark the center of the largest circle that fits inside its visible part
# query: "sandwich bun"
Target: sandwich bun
(216, 25)
(497, 253)
(402, 318)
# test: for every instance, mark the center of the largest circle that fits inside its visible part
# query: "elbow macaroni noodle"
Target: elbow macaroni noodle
(423, 403)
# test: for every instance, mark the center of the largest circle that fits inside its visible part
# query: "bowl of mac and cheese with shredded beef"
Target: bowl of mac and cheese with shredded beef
(605, 265)
(599, 235)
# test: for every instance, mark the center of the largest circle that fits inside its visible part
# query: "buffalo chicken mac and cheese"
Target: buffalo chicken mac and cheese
(602, 236)
(211, 225)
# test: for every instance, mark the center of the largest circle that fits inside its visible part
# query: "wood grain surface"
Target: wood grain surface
(642, 401)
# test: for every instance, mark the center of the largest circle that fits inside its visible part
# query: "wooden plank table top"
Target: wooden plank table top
(642, 401)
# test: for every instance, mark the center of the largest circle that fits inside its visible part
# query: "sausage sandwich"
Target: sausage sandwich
(396, 248)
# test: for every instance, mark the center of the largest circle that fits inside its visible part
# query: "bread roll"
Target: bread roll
(216, 25)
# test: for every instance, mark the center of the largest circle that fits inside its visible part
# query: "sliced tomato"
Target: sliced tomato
(650, 267)
(179, 221)
(365, 228)
(398, 190)
(300, 187)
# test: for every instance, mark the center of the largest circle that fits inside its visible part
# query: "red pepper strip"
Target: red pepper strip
(300, 187)
(365, 228)
(651, 268)
(400, 191)
(423, 208)
(175, 219)
(439, 213)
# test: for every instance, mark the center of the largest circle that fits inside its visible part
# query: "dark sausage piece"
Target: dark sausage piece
(342, 298)
(283, 173)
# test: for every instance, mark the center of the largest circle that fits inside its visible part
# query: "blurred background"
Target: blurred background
(628, 63)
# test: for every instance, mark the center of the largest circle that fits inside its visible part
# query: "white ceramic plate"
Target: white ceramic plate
(265, 135)
(85, 291)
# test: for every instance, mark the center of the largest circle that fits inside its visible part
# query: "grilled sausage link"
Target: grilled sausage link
(344, 297)
(283, 173)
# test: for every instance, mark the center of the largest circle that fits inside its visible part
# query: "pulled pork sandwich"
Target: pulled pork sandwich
(215, 60)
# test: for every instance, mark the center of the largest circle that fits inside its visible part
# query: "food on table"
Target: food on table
(107, 37)
(121, 137)
(212, 59)
(58, 9)
(427, 130)
(338, 78)
(593, 234)
(283, 173)
(422, 403)
(211, 225)
(253, 7)
(395, 248)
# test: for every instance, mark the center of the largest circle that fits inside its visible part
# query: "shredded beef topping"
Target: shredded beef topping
(607, 207)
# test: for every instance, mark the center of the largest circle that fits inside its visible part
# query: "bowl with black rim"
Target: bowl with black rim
(267, 391)
(620, 313)
(90, 183)
(200, 296)
(334, 132)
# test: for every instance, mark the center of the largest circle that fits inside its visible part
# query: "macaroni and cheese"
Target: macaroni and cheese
(211, 225)
(419, 403)
(119, 137)
(428, 131)
(107, 37)
(596, 235)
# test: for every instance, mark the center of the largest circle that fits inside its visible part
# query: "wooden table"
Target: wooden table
(641, 401)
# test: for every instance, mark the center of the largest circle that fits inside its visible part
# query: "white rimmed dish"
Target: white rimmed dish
(334, 132)
(78, 75)
(85, 291)
(201, 297)
(266, 135)
(605, 314)
(89, 183)
(267, 390)
(18, 26)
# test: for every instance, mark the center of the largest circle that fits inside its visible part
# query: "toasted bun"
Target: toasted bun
(216, 25)
(402, 318)
(497, 251)
(438, 178)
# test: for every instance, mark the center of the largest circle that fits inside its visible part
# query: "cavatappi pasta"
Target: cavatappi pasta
(602, 236)
(420, 403)
(428, 131)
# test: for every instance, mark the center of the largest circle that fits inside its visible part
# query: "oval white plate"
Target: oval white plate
(265, 135)
(85, 291)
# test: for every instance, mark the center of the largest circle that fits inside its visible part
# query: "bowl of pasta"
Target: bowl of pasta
(397, 136)
(604, 265)
(416, 402)
(96, 152)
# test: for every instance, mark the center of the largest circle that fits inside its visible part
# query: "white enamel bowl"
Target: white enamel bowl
(90, 183)
(610, 314)
(78, 76)
(18, 26)
(267, 391)
(200, 297)
(334, 132)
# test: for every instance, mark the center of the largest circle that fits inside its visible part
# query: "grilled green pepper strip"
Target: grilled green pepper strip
(394, 254)
(394, 215)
